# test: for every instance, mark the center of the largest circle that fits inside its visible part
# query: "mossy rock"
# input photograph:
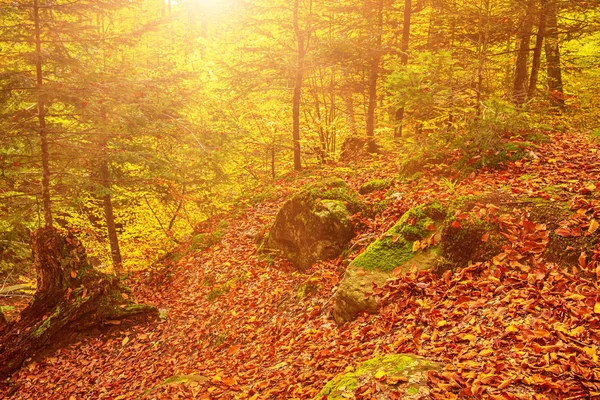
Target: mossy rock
(394, 251)
(396, 246)
(314, 224)
(374, 185)
(397, 374)
(426, 238)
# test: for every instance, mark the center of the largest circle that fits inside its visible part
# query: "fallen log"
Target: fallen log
(71, 295)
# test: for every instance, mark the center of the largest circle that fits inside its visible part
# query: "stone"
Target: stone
(394, 251)
(403, 374)
(314, 224)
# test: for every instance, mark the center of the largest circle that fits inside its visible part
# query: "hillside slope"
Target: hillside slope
(238, 324)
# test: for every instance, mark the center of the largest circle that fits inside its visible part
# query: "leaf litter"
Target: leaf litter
(513, 327)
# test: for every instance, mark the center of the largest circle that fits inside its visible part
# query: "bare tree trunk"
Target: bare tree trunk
(403, 60)
(111, 228)
(373, 78)
(520, 85)
(301, 52)
(484, 28)
(42, 118)
(537, 50)
(555, 84)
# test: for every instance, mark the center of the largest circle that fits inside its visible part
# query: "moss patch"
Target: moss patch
(374, 185)
(396, 247)
(411, 367)
(331, 189)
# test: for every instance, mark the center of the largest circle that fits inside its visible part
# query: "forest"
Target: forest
(299, 199)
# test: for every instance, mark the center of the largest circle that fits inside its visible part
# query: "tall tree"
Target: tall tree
(374, 65)
(403, 60)
(41, 107)
(554, 70)
(301, 42)
(521, 81)
(537, 50)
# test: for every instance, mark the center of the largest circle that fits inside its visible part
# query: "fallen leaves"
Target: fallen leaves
(515, 327)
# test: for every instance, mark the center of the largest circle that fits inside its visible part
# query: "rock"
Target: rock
(353, 297)
(397, 375)
(374, 185)
(313, 225)
(395, 250)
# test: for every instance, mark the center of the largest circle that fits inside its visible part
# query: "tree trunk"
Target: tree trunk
(347, 94)
(537, 50)
(373, 78)
(70, 296)
(403, 60)
(520, 85)
(301, 52)
(555, 84)
(484, 28)
(111, 228)
(41, 107)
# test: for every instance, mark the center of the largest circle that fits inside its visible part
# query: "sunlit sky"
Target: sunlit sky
(210, 6)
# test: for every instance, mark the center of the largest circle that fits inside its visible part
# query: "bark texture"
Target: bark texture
(555, 84)
(71, 296)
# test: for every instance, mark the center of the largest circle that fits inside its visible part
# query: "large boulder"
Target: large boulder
(413, 240)
(313, 225)
(398, 376)
(426, 237)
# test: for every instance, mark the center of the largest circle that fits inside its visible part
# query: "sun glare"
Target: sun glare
(205, 6)
(211, 6)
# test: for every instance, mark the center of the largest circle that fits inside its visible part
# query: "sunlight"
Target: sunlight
(211, 6)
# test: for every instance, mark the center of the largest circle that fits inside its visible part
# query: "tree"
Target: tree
(403, 60)
(554, 71)
(521, 81)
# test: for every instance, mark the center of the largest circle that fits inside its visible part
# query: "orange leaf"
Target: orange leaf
(583, 260)
(230, 381)
(564, 232)
(456, 225)
(594, 225)
(234, 349)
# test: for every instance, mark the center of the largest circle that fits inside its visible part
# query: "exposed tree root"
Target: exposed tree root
(70, 295)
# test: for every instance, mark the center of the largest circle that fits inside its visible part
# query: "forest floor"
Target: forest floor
(240, 325)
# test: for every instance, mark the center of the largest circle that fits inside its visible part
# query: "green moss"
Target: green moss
(539, 137)
(4, 309)
(393, 364)
(374, 185)
(380, 206)
(267, 193)
(412, 391)
(384, 254)
(566, 251)
(45, 325)
(396, 247)
(331, 189)
(332, 209)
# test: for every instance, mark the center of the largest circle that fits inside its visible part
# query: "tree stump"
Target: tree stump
(70, 295)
